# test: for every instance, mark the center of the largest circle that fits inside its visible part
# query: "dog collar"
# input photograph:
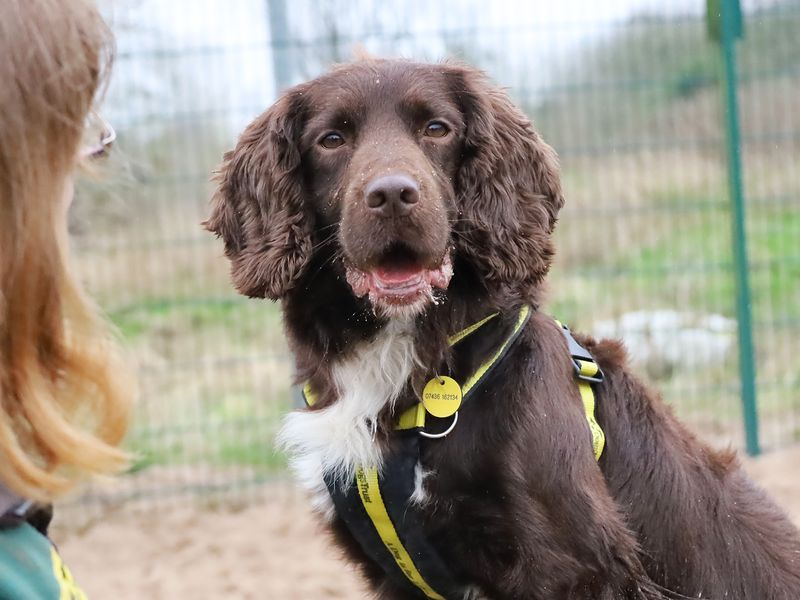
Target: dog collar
(377, 507)
(415, 417)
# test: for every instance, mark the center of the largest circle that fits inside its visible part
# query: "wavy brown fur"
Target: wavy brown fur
(518, 506)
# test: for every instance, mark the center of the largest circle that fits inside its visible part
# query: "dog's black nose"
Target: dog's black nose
(392, 195)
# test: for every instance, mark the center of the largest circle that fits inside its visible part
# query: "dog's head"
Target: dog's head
(398, 169)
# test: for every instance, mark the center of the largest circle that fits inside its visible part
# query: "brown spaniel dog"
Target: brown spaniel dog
(389, 204)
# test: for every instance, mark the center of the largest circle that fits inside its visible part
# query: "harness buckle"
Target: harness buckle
(587, 370)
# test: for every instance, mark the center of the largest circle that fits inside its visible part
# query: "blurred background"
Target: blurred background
(678, 135)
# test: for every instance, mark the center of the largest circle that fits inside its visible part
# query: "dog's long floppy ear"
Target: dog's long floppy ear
(509, 188)
(258, 208)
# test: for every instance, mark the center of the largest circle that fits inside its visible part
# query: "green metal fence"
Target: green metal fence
(674, 201)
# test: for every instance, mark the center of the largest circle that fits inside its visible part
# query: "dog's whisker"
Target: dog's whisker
(331, 238)
(327, 263)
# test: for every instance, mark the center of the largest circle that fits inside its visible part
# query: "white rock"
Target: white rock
(665, 341)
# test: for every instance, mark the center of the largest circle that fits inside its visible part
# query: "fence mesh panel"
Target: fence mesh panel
(630, 95)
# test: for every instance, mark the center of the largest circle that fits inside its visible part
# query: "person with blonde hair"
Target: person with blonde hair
(65, 392)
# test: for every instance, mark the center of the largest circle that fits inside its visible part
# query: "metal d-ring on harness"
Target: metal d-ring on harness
(445, 433)
(378, 509)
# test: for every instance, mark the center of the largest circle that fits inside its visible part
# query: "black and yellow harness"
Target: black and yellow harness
(378, 510)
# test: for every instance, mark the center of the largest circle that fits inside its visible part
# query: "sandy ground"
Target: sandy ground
(272, 550)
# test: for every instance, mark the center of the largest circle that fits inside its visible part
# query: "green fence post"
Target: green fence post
(731, 26)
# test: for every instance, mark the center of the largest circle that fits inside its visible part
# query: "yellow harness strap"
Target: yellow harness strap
(587, 371)
(590, 369)
(370, 492)
(454, 339)
(412, 418)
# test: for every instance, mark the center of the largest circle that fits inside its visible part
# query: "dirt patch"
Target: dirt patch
(269, 550)
(272, 549)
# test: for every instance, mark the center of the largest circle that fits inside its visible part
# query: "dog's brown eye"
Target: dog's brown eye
(331, 140)
(436, 129)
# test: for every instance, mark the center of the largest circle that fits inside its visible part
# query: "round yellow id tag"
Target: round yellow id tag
(442, 396)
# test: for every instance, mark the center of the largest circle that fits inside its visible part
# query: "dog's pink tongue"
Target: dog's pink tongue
(397, 271)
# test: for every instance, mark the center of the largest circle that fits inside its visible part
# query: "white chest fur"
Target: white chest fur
(340, 438)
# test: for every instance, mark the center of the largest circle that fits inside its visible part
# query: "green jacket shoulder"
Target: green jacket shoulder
(31, 568)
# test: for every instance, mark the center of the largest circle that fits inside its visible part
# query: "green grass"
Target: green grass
(236, 443)
(697, 246)
(221, 440)
(702, 249)
(195, 412)
(258, 453)
(683, 261)
(138, 319)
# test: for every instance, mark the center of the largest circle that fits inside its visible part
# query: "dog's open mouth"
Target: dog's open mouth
(400, 278)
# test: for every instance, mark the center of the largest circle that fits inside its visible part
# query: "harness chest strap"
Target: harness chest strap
(378, 509)
(369, 491)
